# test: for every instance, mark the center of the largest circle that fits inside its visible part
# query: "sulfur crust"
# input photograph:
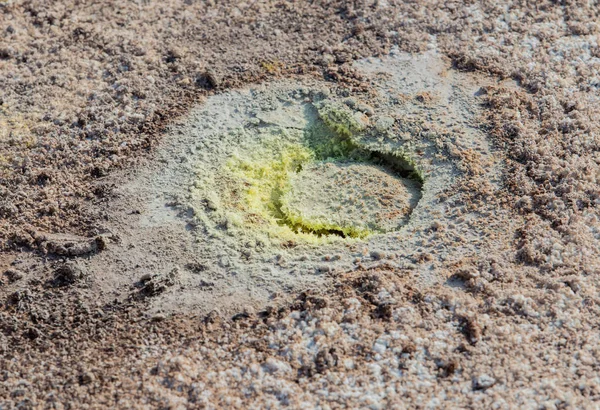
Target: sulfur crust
(257, 179)
(265, 176)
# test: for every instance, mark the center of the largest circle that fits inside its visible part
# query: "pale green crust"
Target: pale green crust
(339, 118)
(255, 187)
(354, 199)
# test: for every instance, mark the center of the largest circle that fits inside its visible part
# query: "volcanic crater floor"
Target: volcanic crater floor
(280, 187)
(349, 198)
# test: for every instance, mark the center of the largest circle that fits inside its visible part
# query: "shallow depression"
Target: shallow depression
(280, 187)
(354, 199)
(304, 173)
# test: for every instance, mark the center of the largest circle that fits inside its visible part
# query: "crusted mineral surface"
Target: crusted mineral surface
(351, 199)
(146, 151)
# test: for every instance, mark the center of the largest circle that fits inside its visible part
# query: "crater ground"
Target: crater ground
(216, 219)
(172, 237)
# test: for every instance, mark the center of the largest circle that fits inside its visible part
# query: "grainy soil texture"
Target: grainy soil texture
(302, 204)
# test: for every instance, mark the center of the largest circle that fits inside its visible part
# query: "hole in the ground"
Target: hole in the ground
(315, 181)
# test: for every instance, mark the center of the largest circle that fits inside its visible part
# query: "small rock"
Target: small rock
(213, 317)
(379, 347)
(342, 57)
(67, 274)
(74, 246)
(365, 108)
(438, 226)
(32, 333)
(247, 312)
(324, 269)
(351, 102)
(211, 204)
(574, 283)
(472, 329)
(483, 382)
(18, 393)
(13, 275)
(325, 359)
(153, 285)
(447, 367)
(383, 311)
(18, 298)
(384, 123)
(327, 60)
(86, 378)
(378, 255)
(211, 78)
(272, 365)
(159, 317)
(323, 93)
(145, 277)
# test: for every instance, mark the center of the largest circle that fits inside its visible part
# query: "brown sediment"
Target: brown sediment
(87, 90)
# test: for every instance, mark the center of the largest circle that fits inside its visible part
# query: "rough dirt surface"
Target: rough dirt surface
(86, 90)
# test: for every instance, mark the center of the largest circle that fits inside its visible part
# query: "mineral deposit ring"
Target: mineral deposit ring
(282, 186)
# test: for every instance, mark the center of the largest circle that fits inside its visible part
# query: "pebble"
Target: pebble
(365, 108)
(483, 382)
(13, 275)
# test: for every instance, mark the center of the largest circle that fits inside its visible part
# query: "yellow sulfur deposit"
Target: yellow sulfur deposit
(316, 184)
